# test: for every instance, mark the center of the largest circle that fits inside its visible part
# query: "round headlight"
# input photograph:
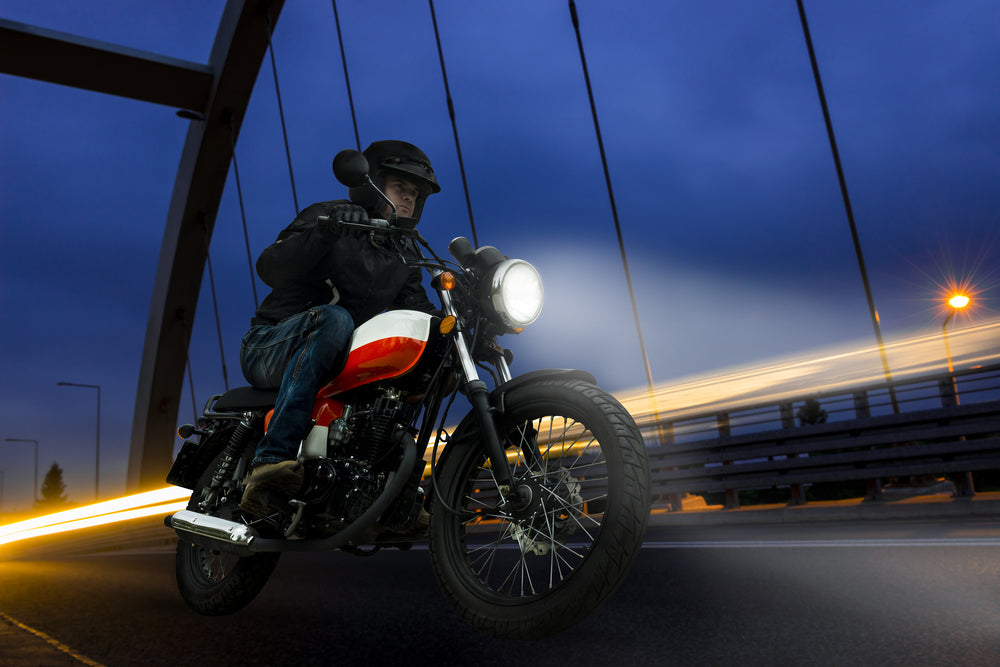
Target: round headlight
(516, 293)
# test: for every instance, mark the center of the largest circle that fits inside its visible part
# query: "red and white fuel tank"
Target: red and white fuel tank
(386, 346)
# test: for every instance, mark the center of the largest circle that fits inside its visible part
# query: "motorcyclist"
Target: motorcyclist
(325, 281)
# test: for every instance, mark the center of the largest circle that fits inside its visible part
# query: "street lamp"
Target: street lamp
(957, 302)
(34, 490)
(97, 464)
(963, 483)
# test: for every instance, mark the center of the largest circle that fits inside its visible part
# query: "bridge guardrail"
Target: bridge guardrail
(960, 434)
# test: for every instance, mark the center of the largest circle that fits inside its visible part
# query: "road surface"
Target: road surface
(887, 593)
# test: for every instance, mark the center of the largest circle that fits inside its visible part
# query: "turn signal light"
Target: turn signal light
(447, 281)
(447, 324)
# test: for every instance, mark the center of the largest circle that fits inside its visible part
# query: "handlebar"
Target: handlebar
(373, 225)
(384, 228)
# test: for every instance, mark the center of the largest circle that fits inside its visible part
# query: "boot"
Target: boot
(270, 486)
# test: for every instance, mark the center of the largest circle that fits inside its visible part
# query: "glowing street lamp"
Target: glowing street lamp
(34, 490)
(957, 302)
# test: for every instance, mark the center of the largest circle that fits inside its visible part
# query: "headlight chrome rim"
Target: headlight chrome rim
(516, 293)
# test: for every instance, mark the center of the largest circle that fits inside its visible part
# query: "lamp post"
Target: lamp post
(955, 303)
(963, 482)
(34, 490)
(97, 464)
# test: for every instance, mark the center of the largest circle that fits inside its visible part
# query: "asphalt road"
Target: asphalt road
(887, 593)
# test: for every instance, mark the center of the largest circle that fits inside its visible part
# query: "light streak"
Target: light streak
(876, 543)
(782, 378)
(150, 503)
(840, 368)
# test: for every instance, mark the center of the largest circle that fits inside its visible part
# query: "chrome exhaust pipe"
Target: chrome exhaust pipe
(213, 532)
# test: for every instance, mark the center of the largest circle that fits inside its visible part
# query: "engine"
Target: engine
(364, 446)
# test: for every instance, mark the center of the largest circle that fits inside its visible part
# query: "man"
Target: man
(325, 282)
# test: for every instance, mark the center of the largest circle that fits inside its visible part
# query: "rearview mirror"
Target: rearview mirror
(351, 168)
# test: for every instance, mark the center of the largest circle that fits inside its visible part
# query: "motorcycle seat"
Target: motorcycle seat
(244, 399)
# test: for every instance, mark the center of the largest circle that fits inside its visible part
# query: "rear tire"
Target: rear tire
(535, 572)
(214, 583)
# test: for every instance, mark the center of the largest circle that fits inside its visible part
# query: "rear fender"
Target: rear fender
(195, 456)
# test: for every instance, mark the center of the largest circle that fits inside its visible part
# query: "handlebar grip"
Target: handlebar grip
(462, 250)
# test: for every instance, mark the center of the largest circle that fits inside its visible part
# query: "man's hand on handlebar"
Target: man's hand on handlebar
(352, 216)
(349, 213)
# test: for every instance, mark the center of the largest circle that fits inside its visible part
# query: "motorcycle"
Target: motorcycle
(534, 505)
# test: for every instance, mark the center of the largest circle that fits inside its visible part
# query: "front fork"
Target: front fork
(514, 496)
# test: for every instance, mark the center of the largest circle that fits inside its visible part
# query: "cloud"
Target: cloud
(692, 320)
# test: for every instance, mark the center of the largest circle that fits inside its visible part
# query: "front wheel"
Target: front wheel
(536, 570)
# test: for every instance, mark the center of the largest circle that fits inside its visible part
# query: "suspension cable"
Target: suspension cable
(188, 333)
(873, 313)
(281, 114)
(347, 78)
(228, 119)
(614, 213)
(454, 127)
(215, 301)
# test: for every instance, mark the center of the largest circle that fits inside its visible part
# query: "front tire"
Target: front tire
(539, 570)
(211, 582)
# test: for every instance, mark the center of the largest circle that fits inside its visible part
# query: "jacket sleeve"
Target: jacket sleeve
(298, 249)
(413, 296)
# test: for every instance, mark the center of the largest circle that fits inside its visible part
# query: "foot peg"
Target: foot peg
(299, 506)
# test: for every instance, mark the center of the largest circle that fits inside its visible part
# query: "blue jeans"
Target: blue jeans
(297, 356)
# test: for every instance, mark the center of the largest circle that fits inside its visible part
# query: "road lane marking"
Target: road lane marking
(800, 544)
(51, 641)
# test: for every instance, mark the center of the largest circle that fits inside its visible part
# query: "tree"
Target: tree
(811, 413)
(53, 488)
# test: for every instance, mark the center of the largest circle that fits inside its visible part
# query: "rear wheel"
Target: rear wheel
(213, 582)
(536, 570)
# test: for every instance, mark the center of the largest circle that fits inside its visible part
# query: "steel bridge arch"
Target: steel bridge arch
(216, 96)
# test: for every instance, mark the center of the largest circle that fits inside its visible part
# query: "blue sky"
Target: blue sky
(731, 213)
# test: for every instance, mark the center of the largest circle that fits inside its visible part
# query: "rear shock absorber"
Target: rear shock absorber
(231, 454)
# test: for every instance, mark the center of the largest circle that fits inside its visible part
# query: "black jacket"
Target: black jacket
(310, 265)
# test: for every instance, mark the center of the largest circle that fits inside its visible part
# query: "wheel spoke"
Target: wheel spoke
(571, 450)
(526, 553)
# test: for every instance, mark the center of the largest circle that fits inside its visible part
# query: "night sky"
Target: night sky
(725, 185)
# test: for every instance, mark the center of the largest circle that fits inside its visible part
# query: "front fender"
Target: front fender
(466, 434)
(498, 394)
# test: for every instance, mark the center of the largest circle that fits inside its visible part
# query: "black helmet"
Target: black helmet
(403, 158)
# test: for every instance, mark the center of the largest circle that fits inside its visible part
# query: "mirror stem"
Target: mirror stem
(382, 195)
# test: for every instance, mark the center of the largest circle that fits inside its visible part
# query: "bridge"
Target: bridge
(213, 99)
(716, 583)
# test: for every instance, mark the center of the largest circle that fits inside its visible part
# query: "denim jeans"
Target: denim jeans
(296, 355)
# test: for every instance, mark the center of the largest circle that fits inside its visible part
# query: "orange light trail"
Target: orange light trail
(838, 368)
(150, 503)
